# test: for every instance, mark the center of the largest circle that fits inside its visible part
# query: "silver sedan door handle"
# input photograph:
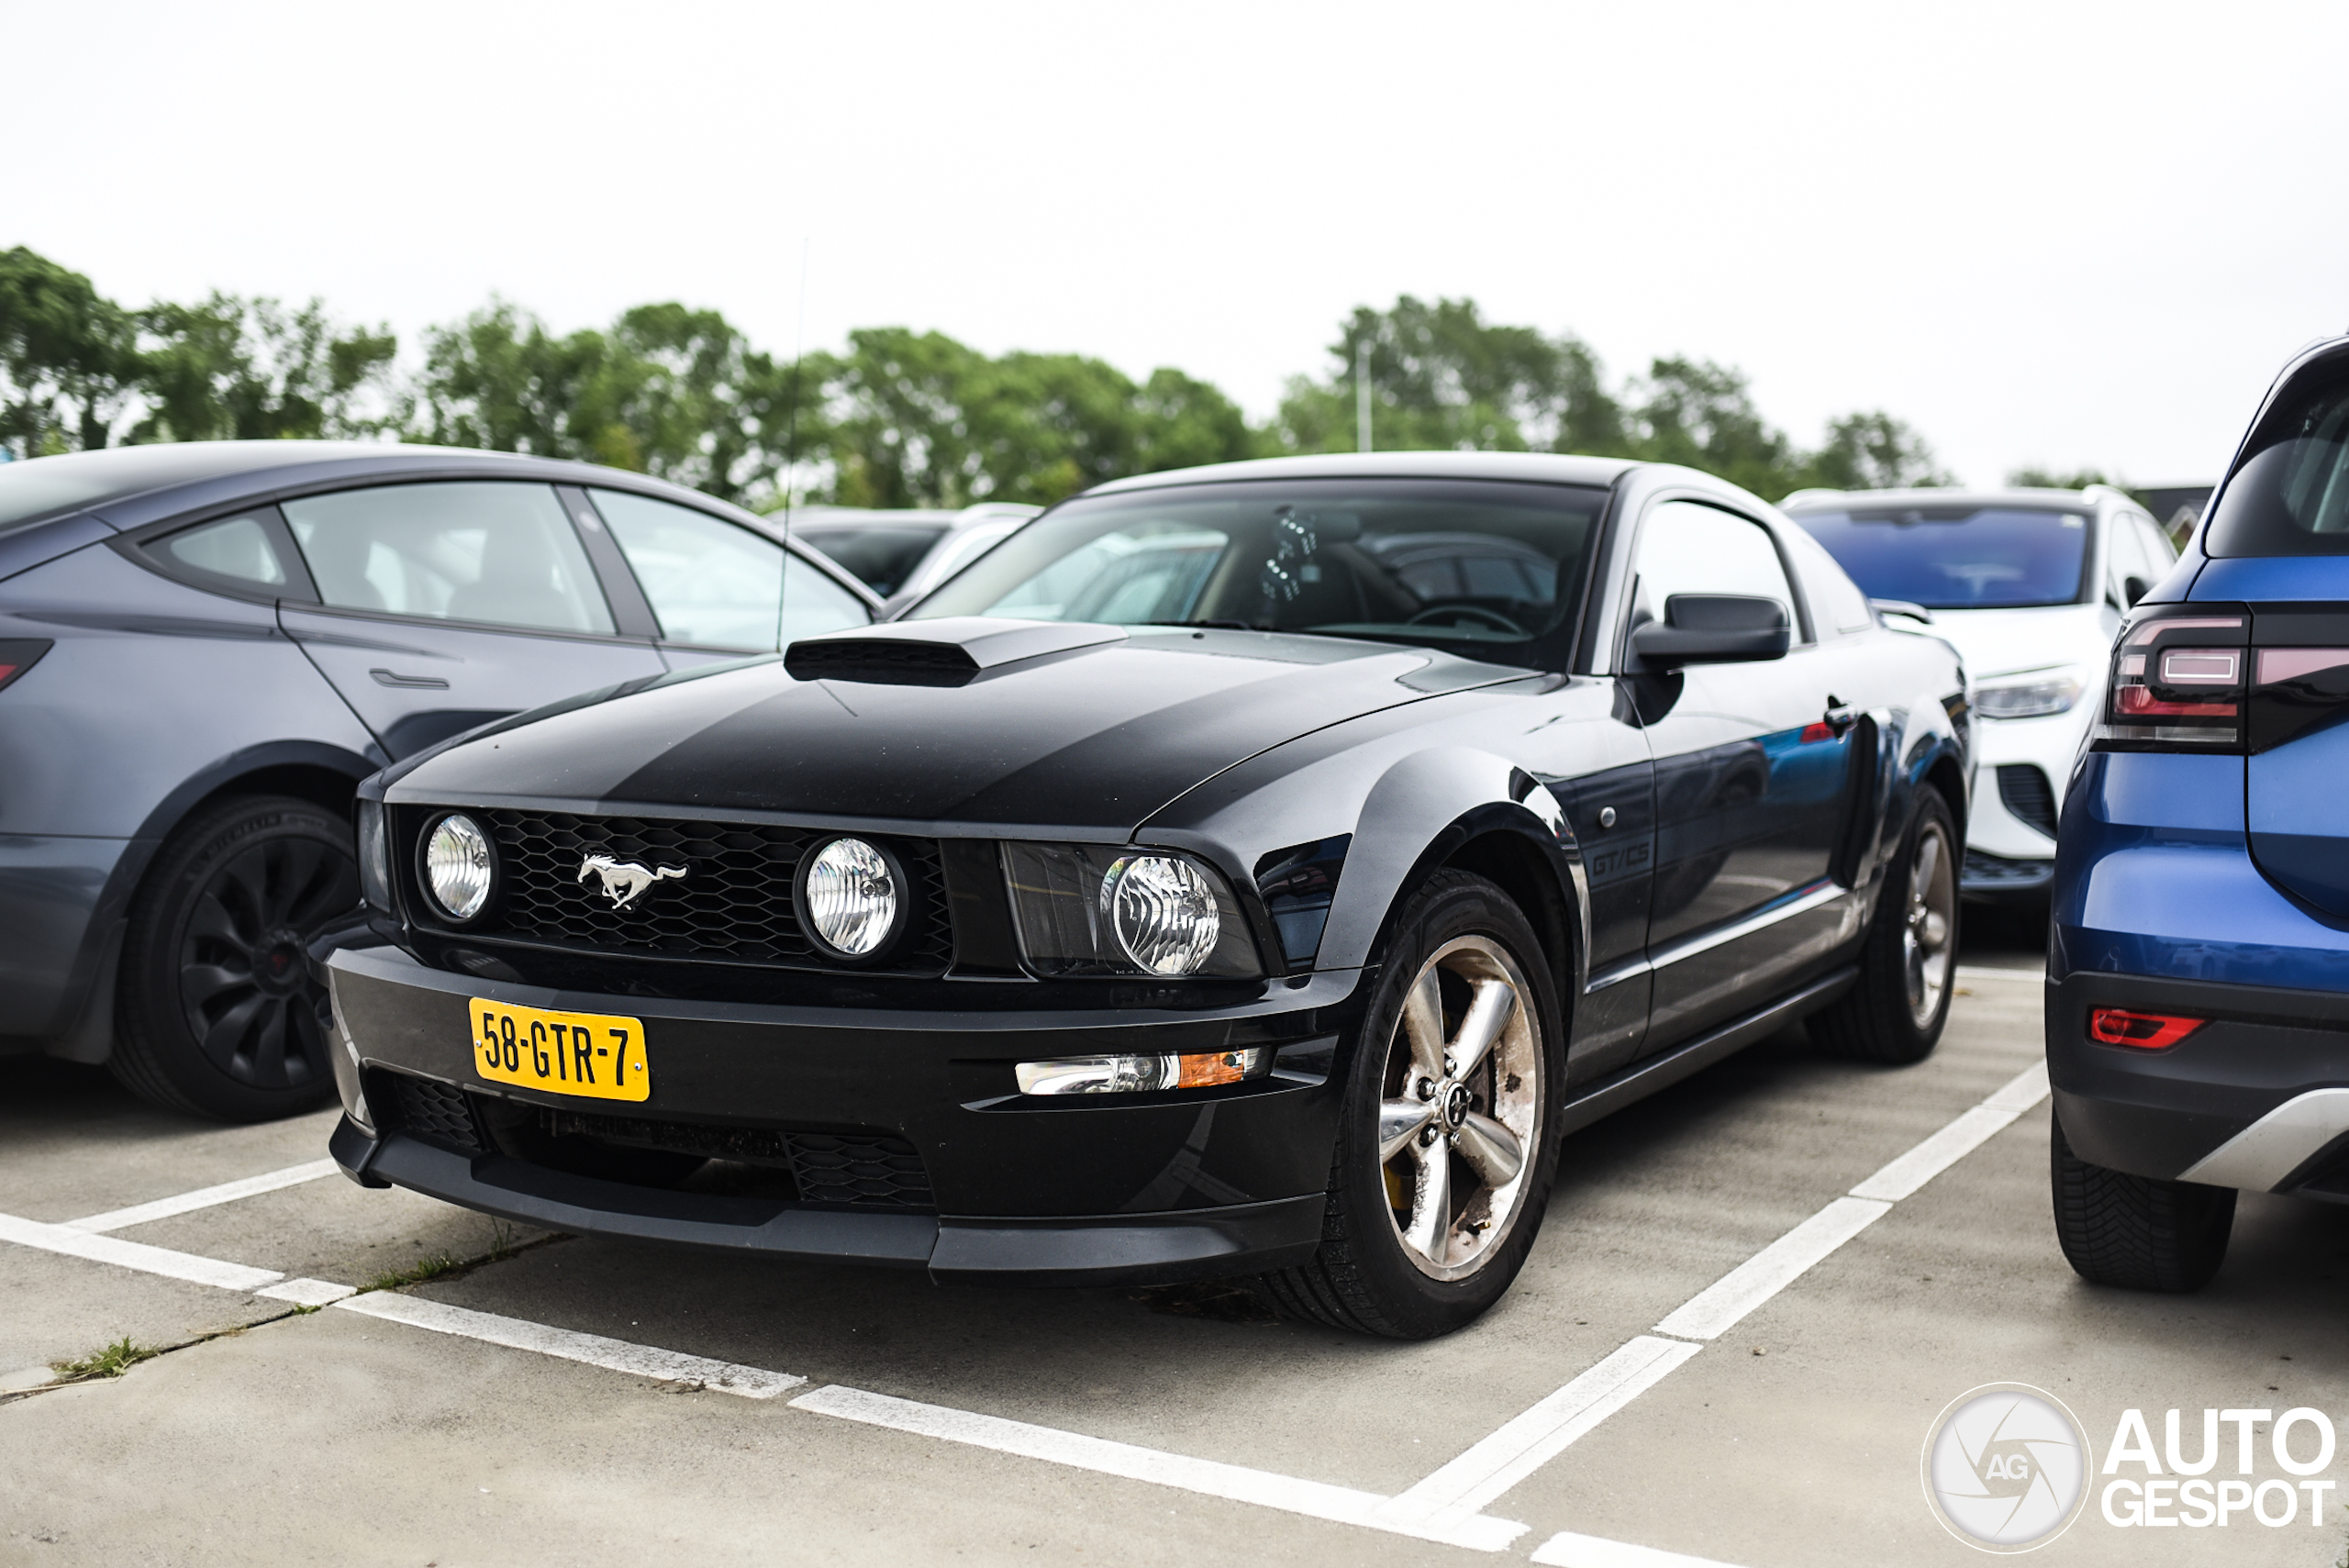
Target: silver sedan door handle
(409, 683)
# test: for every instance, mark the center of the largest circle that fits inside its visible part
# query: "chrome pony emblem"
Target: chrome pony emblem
(624, 881)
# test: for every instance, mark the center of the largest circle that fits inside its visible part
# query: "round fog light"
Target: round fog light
(849, 898)
(1163, 912)
(457, 867)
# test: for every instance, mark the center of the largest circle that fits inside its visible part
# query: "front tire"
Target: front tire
(2136, 1232)
(1896, 1011)
(217, 1014)
(1445, 1152)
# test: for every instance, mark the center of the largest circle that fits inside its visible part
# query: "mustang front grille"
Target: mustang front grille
(733, 900)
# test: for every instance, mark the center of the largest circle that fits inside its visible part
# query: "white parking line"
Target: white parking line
(134, 1255)
(1541, 1433)
(1900, 1177)
(613, 1355)
(1287, 1492)
(1490, 1467)
(1568, 1550)
(204, 1198)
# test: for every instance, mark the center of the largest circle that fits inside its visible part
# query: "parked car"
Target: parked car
(2029, 586)
(204, 646)
(900, 554)
(2198, 974)
(1225, 875)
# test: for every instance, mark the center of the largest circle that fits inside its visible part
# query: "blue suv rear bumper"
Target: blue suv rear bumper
(2160, 909)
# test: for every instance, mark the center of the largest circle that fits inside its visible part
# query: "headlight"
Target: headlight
(2032, 697)
(457, 866)
(1163, 911)
(849, 898)
(1087, 909)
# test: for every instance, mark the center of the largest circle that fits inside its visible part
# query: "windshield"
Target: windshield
(882, 554)
(1490, 568)
(1958, 557)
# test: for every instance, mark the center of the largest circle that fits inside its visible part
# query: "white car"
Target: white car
(2030, 585)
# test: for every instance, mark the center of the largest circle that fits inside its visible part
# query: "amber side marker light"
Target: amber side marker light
(2147, 1031)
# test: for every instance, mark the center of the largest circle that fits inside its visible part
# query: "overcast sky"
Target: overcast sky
(2065, 234)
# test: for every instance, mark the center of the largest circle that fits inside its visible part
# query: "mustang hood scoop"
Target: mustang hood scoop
(983, 721)
(937, 652)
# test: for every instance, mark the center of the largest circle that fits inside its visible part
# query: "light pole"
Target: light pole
(1362, 394)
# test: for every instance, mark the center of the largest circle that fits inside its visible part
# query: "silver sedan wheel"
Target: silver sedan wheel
(1461, 1107)
(1926, 952)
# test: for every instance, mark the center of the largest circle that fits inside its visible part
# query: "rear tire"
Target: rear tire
(2136, 1232)
(216, 1013)
(1896, 1011)
(1435, 1197)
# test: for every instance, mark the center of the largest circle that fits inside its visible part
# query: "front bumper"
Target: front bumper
(2258, 1098)
(1086, 1190)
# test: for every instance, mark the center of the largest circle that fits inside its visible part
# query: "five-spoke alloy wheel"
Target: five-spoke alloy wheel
(1445, 1151)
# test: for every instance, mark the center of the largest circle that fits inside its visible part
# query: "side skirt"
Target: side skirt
(1645, 1077)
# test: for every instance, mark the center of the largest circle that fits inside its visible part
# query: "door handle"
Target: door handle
(1840, 716)
(409, 683)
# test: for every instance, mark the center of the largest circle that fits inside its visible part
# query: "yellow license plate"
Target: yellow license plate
(592, 1054)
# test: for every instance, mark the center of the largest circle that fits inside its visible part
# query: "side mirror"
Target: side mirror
(2134, 589)
(1714, 629)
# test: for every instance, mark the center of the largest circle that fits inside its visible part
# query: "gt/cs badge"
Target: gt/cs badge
(624, 881)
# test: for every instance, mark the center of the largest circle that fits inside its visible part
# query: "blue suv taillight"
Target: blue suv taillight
(2178, 674)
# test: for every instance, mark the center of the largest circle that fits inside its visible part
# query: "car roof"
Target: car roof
(1537, 467)
(2092, 498)
(131, 487)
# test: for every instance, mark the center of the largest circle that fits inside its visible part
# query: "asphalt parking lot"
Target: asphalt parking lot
(1752, 1296)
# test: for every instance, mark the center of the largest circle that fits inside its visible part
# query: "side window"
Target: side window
(1837, 605)
(715, 584)
(501, 553)
(2124, 557)
(237, 548)
(1685, 548)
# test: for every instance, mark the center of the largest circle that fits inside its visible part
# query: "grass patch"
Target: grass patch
(109, 1360)
(417, 1273)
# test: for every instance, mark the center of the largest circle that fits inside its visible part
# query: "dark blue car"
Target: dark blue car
(204, 648)
(2197, 992)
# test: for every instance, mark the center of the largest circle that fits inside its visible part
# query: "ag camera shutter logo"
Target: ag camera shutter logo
(2006, 1467)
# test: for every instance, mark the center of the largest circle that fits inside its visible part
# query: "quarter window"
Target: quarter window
(503, 554)
(715, 584)
(236, 548)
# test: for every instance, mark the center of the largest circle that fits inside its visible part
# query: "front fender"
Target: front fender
(1408, 815)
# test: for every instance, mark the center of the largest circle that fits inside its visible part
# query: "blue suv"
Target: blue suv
(2198, 985)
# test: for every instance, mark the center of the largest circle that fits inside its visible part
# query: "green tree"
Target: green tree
(899, 435)
(1700, 413)
(69, 360)
(1443, 378)
(1872, 451)
(2056, 479)
(235, 369)
(498, 380)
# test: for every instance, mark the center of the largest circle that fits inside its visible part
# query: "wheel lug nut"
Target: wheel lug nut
(1427, 1137)
(1427, 1088)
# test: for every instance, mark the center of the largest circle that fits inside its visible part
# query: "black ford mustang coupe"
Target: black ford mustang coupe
(1252, 870)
